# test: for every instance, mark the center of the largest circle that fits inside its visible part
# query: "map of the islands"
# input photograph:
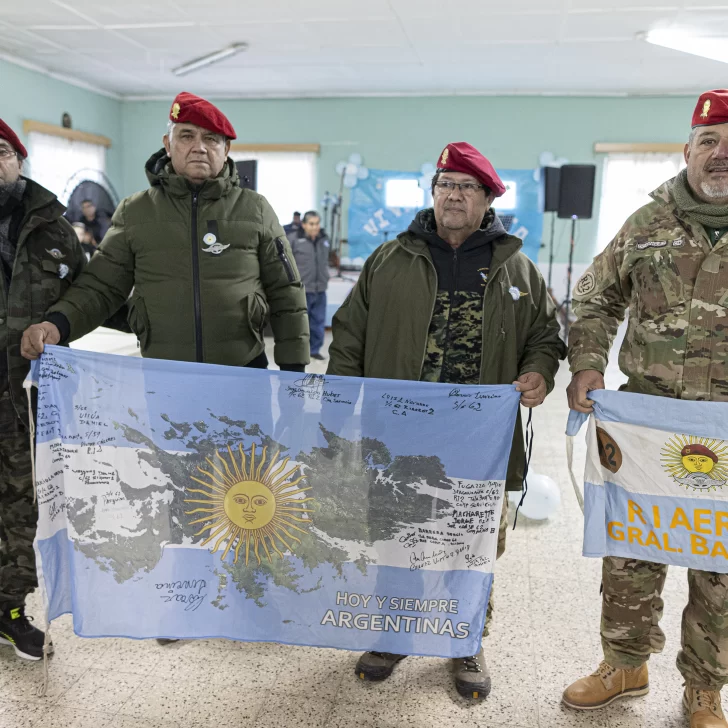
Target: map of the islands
(267, 503)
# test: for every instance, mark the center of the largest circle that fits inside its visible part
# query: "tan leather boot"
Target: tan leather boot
(704, 708)
(605, 686)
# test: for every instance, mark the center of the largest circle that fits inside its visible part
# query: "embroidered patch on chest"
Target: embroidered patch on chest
(651, 244)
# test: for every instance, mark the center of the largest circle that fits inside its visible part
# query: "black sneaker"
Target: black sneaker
(377, 665)
(472, 679)
(318, 357)
(17, 631)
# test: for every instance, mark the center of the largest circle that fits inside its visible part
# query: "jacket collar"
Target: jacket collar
(160, 173)
(39, 205)
(504, 248)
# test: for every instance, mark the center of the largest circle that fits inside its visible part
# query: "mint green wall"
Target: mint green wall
(404, 133)
(31, 95)
(389, 133)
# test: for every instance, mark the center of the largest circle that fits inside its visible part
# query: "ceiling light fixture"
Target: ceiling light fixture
(209, 59)
(712, 47)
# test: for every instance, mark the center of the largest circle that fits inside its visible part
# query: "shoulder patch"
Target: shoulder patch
(586, 284)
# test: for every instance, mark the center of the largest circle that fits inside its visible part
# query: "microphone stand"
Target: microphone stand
(566, 305)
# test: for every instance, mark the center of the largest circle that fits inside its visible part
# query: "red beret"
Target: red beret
(190, 109)
(712, 108)
(9, 135)
(697, 449)
(464, 157)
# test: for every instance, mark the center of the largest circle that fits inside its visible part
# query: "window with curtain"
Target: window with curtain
(627, 182)
(286, 179)
(53, 161)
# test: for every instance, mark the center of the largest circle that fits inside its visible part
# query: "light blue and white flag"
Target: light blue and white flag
(189, 501)
(656, 480)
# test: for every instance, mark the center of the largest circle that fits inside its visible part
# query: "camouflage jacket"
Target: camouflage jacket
(663, 269)
(47, 260)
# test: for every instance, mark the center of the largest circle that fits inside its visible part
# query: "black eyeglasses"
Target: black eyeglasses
(467, 188)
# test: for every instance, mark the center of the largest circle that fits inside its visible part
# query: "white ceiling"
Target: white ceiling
(364, 47)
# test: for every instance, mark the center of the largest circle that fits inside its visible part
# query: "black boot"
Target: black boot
(17, 631)
(377, 665)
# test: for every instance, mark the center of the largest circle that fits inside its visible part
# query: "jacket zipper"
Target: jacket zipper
(453, 281)
(284, 259)
(196, 282)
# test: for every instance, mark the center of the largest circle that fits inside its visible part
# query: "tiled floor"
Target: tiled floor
(545, 635)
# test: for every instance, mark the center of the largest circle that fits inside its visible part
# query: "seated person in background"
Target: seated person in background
(97, 224)
(86, 238)
(311, 251)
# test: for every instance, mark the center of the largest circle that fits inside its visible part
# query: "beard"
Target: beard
(714, 190)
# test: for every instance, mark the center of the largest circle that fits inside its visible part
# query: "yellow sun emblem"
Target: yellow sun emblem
(696, 462)
(247, 506)
(443, 159)
(706, 109)
(175, 110)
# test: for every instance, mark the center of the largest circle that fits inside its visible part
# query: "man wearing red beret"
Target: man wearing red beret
(39, 258)
(464, 306)
(206, 262)
(669, 266)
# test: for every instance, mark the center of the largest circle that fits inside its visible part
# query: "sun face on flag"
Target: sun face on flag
(699, 463)
(246, 506)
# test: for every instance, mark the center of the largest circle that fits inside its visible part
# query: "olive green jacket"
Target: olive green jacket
(381, 329)
(206, 268)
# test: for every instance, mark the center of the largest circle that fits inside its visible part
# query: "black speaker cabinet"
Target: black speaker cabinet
(576, 191)
(248, 171)
(551, 178)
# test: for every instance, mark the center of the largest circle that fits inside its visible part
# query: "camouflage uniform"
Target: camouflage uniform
(673, 278)
(48, 258)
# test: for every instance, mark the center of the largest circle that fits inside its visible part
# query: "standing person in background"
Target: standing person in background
(311, 250)
(295, 225)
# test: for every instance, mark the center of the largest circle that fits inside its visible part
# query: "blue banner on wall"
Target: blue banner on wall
(371, 222)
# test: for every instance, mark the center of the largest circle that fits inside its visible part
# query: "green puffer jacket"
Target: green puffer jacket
(48, 259)
(381, 329)
(208, 268)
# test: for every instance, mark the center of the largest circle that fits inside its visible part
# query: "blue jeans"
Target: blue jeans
(316, 303)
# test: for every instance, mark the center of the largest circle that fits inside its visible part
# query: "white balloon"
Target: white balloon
(355, 158)
(350, 180)
(363, 172)
(340, 167)
(542, 500)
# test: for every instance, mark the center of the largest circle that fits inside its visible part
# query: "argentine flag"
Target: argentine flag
(185, 500)
(656, 479)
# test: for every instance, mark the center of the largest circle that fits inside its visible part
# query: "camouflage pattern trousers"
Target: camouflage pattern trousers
(18, 514)
(502, 529)
(631, 610)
